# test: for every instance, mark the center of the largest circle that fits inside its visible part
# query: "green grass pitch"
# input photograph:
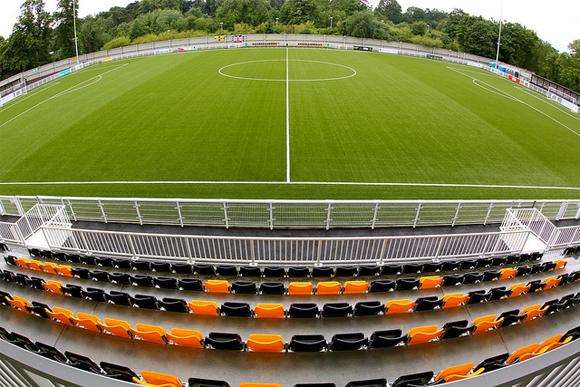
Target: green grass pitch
(353, 117)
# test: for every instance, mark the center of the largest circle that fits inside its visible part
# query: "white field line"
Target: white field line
(288, 177)
(97, 78)
(495, 90)
(339, 183)
(28, 95)
(547, 101)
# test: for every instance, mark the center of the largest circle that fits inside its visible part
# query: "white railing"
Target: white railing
(565, 237)
(289, 213)
(533, 220)
(9, 233)
(248, 250)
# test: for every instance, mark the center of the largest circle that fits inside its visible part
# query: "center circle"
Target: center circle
(257, 70)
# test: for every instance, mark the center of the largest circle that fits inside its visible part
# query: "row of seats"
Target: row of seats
(323, 288)
(151, 378)
(283, 272)
(296, 310)
(572, 251)
(260, 342)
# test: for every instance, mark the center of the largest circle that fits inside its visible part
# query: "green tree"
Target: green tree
(64, 35)
(364, 25)
(419, 28)
(390, 10)
(300, 11)
(575, 48)
(146, 6)
(156, 22)
(94, 32)
(414, 14)
(251, 12)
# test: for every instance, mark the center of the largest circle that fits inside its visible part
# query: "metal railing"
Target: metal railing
(289, 213)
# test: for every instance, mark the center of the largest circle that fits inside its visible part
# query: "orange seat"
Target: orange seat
(269, 311)
(87, 321)
(523, 353)
(300, 288)
(119, 328)
(64, 271)
(454, 372)
(54, 287)
(518, 289)
(425, 334)
(259, 342)
(455, 300)
(185, 337)
(356, 287)
(49, 267)
(485, 323)
(22, 262)
(551, 282)
(431, 282)
(20, 303)
(33, 265)
(560, 264)
(550, 344)
(399, 306)
(203, 308)
(157, 379)
(507, 273)
(62, 316)
(328, 288)
(151, 333)
(246, 384)
(217, 286)
(533, 312)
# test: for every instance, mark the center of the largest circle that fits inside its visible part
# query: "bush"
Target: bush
(121, 41)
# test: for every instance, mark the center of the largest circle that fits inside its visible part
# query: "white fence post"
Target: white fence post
(138, 212)
(100, 204)
(375, 215)
(226, 220)
(456, 216)
(178, 206)
(490, 208)
(2, 211)
(328, 216)
(271, 214)
(419, 206)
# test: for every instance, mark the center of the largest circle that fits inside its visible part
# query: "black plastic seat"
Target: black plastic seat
(165, 282)
(39, 309)
(82, 362)
(45, 254)
(274, 272)
(369, 270)
(573, 333)
(250, 271)
(121, 263)
(236, 309)
(408, 284)
(100, 276)
(307, 343)
(303, 310)
(50, 352)
(120, 278)
(511, 317)
(472, 278)
(551, 307)
(498, 293)
(72, 258)
(141, 280)
(536, 268)
(119, 298)
(244, 287)
(337, 309)
(450, 265)
(346, 271)
(88, 260)
(104, 261)
(455, 329)
(198, 382)
(484, 263)
(432, 267)
(468, 264)
(348, 342)
(535, 286)
(34, 252)
(493, 363)
(391, 269)
(427, 303)
(21, 279)
(173, 305)
(193, 284)
(145, 302)
(523, 271)
(272, 288)
(369, 308)
(118, 372)
(35, 283)
(10, 259)
(81, 272)
(478, 297)
(140, 265)
(94, 294)
(548, 266)
(298, 272)
(565, 279)
(322, 272)
(7, 276)
(453, 280)
(228, 341)
(491, 275)
(512, 259)
(412, 268)
(161, 267)
(382, 286)
(181, 268)
(498, 261)
(387, 339)
(72, 290)
(21, 341)
(413, 380)
(227, 270)
(368, 383)
(202, 269)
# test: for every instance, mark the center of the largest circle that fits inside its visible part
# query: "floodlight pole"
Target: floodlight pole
(75, 29)
(499, 36)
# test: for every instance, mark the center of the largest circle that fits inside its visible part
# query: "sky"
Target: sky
(556, 21)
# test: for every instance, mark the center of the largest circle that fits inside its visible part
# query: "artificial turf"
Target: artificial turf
(398, 120)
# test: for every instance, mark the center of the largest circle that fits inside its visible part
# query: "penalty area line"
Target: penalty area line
(337, 183)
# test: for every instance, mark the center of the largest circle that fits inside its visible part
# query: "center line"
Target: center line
(287, 122)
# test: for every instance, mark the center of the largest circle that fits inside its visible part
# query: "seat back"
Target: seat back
(424, 334)
(455, 300)
(399, 306)
(523, 353)
(551, 282)
(269, 311)
(87, 321)
(203, 308)
(159, 379)
(507, 273)
(151, 333)
(533, 312)
(64, 271)
(116, 327)
(518, 289)
(328, 288)
(217, 286)
(430, 282)
(62, 316)
(356, 287)
(449, 373)
(259, 342)
(300, 288)
(52, 286)
(20, 303)
(485, 323)
(185, 337)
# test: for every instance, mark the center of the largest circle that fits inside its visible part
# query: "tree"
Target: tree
(419, 28)
(575, 48)
(300, 11)
(414, 14)
(147, 6)
(390, 10)
(64, 35)
(251, 12)
(94, 32)
(364, 25)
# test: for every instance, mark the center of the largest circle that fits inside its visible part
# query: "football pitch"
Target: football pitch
(288, 123)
